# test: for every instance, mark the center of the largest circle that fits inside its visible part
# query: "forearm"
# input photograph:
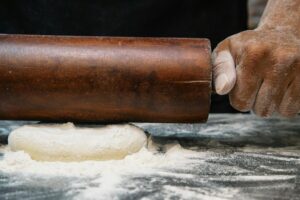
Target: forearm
(282, 15)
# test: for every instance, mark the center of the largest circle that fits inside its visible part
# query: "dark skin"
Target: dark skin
(260, 68)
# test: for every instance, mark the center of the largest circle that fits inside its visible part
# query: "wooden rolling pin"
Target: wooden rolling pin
(104, 79)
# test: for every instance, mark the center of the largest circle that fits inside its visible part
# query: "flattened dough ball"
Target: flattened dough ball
(65, 142)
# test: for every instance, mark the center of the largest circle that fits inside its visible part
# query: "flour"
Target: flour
(197, 193)
(107, 174)
(21, 162)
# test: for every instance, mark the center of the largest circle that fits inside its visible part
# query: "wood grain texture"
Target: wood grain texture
(104, 79)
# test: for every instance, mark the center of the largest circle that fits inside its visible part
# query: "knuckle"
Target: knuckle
(238, 103)
(252, 47)
(283, 58)
(255, 51)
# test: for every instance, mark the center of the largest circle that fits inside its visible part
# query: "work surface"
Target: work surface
(238, 157)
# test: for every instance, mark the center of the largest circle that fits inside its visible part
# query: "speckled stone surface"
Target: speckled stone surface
(249, 158)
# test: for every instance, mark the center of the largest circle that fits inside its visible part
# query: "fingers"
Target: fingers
(265, 104)
(249, 79)
(242, 97)
(224, 74)
(257, 73)
(240, 79)
(275, 85)
(290, 104)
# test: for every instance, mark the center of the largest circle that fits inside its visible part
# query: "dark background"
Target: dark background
(213, 19)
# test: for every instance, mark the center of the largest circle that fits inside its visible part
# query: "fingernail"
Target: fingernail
(221, 83)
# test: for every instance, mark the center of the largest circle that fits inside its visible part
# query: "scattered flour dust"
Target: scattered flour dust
(106, 174)
(20, 162)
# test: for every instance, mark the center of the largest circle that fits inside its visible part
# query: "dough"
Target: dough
(66, 142)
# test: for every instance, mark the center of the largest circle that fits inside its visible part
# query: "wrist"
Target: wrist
(281, 16)
(279, 28)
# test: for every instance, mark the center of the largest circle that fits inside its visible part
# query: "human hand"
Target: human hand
(260, 69)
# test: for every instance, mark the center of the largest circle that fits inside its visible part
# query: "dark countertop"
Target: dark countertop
(250, 158)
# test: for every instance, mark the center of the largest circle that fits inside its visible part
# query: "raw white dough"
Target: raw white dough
(65, 142)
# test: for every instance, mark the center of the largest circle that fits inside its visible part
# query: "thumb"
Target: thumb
(224, 74)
